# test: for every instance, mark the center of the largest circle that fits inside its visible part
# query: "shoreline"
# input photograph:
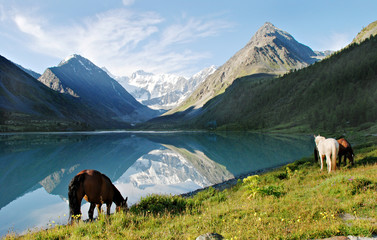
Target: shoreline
(233, 181)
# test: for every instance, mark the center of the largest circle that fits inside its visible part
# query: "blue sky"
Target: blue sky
(167, 36)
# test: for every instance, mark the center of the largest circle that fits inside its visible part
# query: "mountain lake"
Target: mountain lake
(36, 168)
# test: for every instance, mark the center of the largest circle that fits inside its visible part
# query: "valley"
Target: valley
(168, 133)
(274, 83)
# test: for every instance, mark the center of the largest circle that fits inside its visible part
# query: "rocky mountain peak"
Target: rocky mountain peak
(267, 28)
(270, 50)
(69, 58)
(265, 35)
(269, 35)
(76, 60)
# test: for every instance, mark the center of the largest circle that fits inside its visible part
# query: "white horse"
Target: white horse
(328, 147)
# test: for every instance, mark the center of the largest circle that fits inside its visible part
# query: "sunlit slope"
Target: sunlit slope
(370, 30)
(270, 50)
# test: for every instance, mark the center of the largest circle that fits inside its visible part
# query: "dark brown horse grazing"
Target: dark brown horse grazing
(97, 189)
(345, 150)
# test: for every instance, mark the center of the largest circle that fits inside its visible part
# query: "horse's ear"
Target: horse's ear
(126, 199)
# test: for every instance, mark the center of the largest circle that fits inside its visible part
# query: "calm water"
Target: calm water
(35, 169)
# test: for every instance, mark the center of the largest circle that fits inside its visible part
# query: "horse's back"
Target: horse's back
(344, 143)
(345, 149)
(328, 144)
(98, 187)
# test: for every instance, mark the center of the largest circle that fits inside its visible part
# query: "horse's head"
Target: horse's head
(318, 138)
(123, 205)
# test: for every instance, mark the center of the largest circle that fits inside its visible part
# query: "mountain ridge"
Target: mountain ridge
(29, 71)
(270, 50)
(80, 78)
(28, 105)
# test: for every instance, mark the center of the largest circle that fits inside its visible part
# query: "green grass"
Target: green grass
(296, 201)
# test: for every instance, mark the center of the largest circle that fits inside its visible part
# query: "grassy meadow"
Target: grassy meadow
(296, 201)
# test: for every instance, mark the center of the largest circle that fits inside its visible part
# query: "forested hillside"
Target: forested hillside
(338, 92)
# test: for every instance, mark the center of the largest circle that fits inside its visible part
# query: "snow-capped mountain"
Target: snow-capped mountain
(80, 78)
(160, 171)
(162, 91)
(163, 167)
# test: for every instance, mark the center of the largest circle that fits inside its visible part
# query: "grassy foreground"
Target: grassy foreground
(296, 201)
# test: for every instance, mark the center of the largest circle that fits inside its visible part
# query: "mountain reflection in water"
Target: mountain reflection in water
(37, 168)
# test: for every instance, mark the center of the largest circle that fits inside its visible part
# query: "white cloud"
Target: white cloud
(192, 30)
(2, 13)
(339, 40)
(335, 41)
(122, 40)
(29, 26)
(128, 2)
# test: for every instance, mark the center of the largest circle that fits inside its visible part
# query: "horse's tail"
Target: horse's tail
(316, 154)
(334, 154)
(74, 203)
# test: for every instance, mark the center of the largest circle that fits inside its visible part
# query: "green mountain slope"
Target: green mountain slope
(335, 93)
(369, 30)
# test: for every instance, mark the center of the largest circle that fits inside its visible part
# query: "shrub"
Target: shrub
(275, 191)
(253, 188)
(158, 204)
(252, 183)
(211, 195)
(359, 185)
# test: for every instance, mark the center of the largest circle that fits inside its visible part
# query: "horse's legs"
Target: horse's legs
(99, 208)
(328, 162)
(321, 157)
(333, 162)
(91, 210)
(108, 206)
(344, 159)
(350, 157)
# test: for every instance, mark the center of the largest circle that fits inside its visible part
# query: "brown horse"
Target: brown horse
(345, 150)
(95, 188)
